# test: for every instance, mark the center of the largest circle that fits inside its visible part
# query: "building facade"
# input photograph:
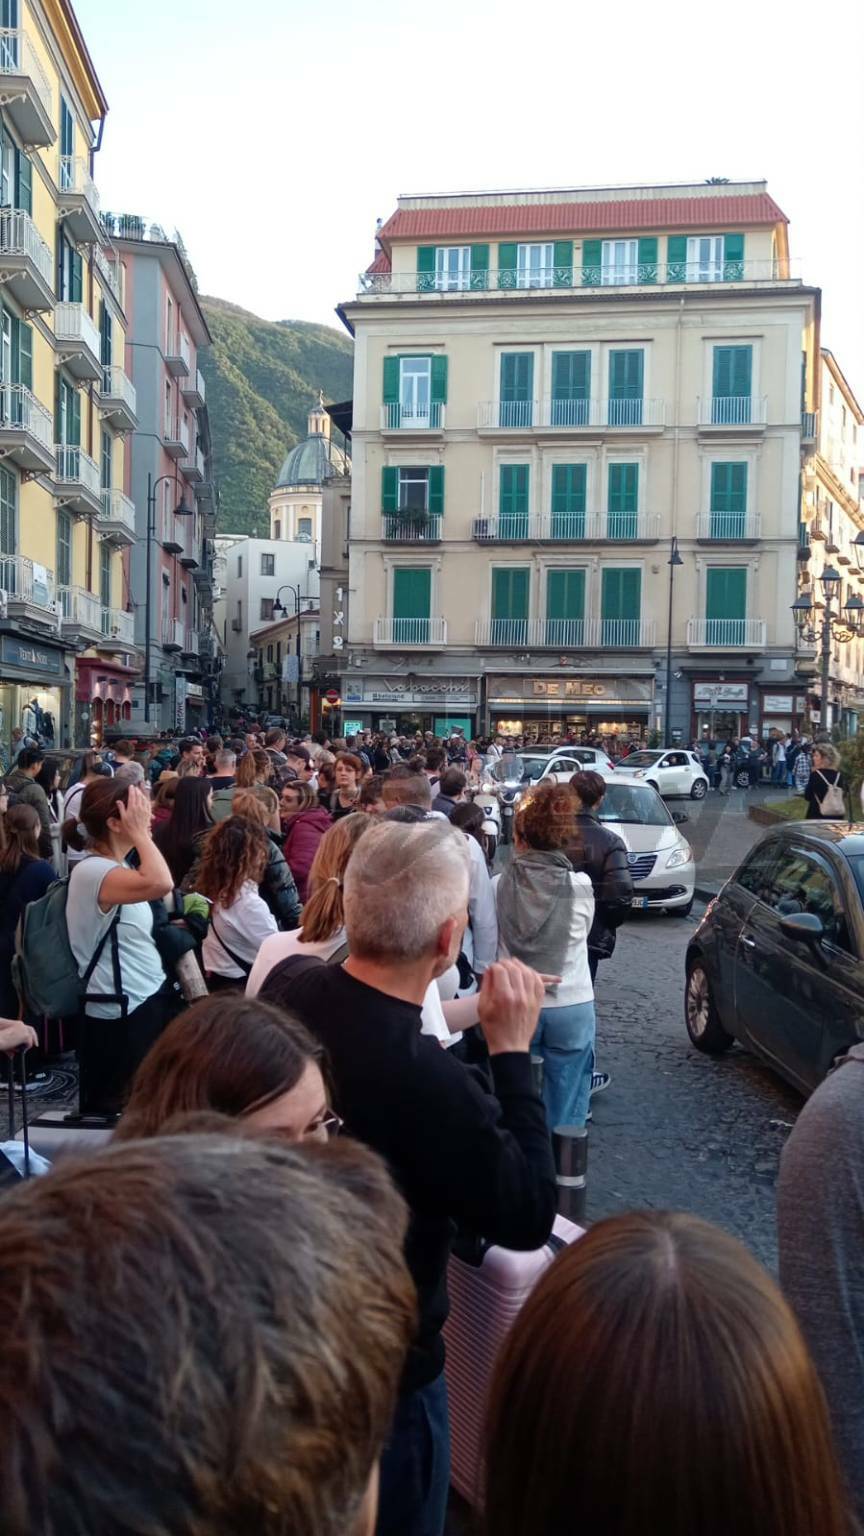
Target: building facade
(256, 572)
(171, 478)
(549, 388)
(67, 520)
(295, 502)
(283, 669)
(832, 520)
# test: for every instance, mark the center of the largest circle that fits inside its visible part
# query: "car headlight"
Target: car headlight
(638, 773)
(679, 856)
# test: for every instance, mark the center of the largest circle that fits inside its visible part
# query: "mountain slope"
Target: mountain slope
(262, 378)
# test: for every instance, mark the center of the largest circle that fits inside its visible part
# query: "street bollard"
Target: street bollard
(537, 1075)
(570, 1145)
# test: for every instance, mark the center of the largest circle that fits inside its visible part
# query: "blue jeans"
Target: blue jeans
(415, 1467)
(565, 1040)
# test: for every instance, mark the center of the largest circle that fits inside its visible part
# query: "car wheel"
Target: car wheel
(681, 911)
(700, 1015)
(698, 790)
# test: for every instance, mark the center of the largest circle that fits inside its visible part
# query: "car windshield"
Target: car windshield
(856, 864)
(634, 803)
(640, 760)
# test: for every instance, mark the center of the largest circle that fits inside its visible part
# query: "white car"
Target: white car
(565, 761)
(671, 772)
(660, 857)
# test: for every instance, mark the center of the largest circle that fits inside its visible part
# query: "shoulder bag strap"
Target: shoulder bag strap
(243, 964)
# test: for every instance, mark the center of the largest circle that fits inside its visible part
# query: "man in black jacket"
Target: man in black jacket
(451, 788)
(459, 1155)
(602, 855)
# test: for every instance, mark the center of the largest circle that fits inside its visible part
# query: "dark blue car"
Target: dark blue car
(777, 962)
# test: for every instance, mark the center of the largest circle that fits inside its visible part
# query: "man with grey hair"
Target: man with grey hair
(130, 773)
(459, 1154)
(224, 765)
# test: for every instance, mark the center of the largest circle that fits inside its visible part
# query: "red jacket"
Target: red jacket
(305, 831)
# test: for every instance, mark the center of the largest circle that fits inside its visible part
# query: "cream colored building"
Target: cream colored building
(549, 387)
(833, 518)
(66, 400)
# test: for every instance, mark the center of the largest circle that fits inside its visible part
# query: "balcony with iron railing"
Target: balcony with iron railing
(78, 200)
(173, 634)
(177, 356)
(172, 438)
(117, 517)
(110, 269)
(28, 100)
(77, 342)
(565, 634)
(77, 481)
(568, 528)
(809, 426)
(411, 527)
(26, 429)
(571, 415)
(194, 390)
(728, 527)
(117, 398)
(411, 633)
(727, 413)
(26, 264)
(118, 627)
(192, 466)
(727, 634)
(759, 272)
(426, 419)
(80, 611)
(29, 588)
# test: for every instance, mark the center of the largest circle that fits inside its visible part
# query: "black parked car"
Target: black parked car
(778, 959)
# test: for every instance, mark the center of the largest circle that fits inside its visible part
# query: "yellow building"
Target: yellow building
(66, 402)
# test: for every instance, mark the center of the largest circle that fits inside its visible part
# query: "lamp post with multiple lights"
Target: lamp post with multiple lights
(840, 624)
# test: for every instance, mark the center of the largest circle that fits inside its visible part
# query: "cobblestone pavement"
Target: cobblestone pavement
(720, 831)
(677, 1128)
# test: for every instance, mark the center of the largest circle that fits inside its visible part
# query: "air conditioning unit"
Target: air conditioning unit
(237, 625)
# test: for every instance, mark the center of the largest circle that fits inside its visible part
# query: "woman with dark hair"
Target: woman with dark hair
(602, 855)
(656, 1381)
(468, 817)
(91, 768)
(177, 837)
(233, 1056)
(110, 921)
(24, 877)
(163, 800)
(232, 867)
(305, 823)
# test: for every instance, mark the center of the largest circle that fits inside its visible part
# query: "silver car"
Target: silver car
(660, 857)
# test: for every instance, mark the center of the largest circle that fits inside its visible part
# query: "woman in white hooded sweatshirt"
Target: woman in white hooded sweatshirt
(545, 912)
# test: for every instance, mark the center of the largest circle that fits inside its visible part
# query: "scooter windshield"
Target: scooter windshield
(508, 769)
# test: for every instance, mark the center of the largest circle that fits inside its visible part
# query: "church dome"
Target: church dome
(314, 460)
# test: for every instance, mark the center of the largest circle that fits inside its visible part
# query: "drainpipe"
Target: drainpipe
(676, 451)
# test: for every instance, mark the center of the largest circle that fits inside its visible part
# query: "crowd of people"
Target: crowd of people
(230, 1318)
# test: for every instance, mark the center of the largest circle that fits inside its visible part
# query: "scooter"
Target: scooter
(487, 798)
(501, 791)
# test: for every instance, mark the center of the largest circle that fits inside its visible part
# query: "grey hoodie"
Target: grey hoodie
(535, 895)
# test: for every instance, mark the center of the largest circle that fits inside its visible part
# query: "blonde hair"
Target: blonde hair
(828, 752)
(258, 804)
(324, 914)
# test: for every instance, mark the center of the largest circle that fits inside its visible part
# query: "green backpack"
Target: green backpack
(44, 969)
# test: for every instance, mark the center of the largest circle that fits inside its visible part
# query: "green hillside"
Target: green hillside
(262, 377)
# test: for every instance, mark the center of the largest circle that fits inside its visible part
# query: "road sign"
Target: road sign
(332, 696)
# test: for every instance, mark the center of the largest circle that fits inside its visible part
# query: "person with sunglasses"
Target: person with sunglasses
(236, 1056)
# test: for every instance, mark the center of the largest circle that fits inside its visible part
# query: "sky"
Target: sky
(272, 134)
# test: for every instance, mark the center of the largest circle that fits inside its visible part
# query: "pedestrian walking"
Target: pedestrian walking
(726, 763)
(545, 913)
(778, 760)
(601, 854)
(22, 784)
(824, 788)
(803, 767)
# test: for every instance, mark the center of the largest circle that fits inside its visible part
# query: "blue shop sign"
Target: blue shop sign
(31, 656)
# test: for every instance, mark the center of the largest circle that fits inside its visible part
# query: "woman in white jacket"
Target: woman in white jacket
(545, 912)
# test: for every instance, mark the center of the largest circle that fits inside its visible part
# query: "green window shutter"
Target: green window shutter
(565, 608)
(75, 419)
(509, 605)
(391, 381)
(22, 357)
(516, 406)
(105, 334)
(77, 283)
(507, 259)
(425, 268)
(732, 384)
(568, 488)
(623, 501)
(676, 258)
(626, 374)
(571, 388)
(513, 487)
(648, 260)
(620, 606)
(733, 258)
(23, 182)
(389, 489)
(562, 260)
(728, 500)
(726, 605)
(412, 592)
(436, 489)
(479, 266)
(592, 256)
(439, 379)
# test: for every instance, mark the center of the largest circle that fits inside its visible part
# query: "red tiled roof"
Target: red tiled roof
(381, 263)
(578, 218)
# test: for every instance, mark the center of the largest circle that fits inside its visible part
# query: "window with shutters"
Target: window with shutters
(67, 146)
(726, 605)
(105, 575)
(619, 262)
(622, 506)
(452, 268)
(268, 565)
(732, 376)
(509, 605)
(535, 266)
(70, 272)
(571, 389)
(64, 549)
(412, 501)
(705, 259)
(728, 501)
(569, 483)
(414, 392)
(412, 604)
(626, 385)
(516, 390)
(105, 461)
(68, 414)
(620, 605)
(8, 523)
(513, 492)
(266, 612)
(565, 607)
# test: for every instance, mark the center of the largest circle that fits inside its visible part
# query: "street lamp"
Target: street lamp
(673, 561)
(181, 510)
(279, 607)
(849, 618)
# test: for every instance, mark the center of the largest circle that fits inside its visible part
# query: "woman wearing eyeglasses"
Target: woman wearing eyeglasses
(236, 1056)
